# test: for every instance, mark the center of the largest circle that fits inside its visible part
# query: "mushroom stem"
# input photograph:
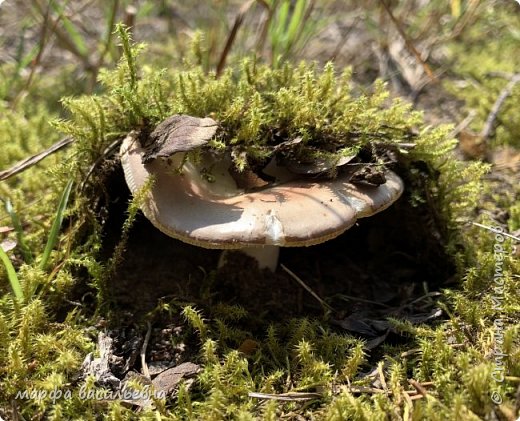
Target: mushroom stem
(266, 256)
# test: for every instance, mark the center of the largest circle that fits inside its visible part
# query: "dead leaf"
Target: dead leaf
(248, 347)
(358, 323)
(368, 176)
(377, 330)
(316, 166)
(415, 319)
(287, 144)
(8, 244)
(157, 367)
(168, 380)
(374, 343)
(178, 133)
(472, 145)
(287, 397)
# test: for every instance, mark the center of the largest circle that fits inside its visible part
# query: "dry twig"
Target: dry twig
(409, 45)
(239, 19)
(32, 160)
(419, 387)
(382, 376)
(463, 124)
(287, 397)
(487, 131)
(506, 234)
(144, 366)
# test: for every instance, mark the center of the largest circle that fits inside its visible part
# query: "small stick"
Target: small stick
(239, 19)
(32, 160)
(307, 288)
(497, 231)
(144, 366)
(428, 295)
(289, 397)
(409, 406)
(410, 352)
(490, 122)
(418, 386)
(343, 40)
(375, 391)
(129, 17)
(427, 384)
(42, 44)
(463, 124)
(411, 48)
(362, 300)
(62, 36)
(371, 390)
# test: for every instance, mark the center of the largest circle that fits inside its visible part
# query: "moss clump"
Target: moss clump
(262, 110)
(294, 112)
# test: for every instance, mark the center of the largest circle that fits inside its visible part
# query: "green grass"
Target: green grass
(28, 257)
(11, 275)
(56, 226)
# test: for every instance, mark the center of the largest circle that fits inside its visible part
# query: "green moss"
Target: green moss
(484, 58)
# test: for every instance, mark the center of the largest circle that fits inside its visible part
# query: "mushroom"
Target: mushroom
(212, 212)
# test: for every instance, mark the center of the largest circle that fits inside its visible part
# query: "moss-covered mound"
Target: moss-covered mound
(452, 353)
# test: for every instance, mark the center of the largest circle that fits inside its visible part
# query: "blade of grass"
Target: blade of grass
(24, 59)
(71, 30)
(27, 58)
(55, 228)
(108, 45)
(278, 30)
(282, 18)
(11, 275)
(27, 255)
(110, 31)
(295, 23)
(36, 61)
(455, 8)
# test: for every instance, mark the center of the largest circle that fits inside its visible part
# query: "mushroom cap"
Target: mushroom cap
(185, 205)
